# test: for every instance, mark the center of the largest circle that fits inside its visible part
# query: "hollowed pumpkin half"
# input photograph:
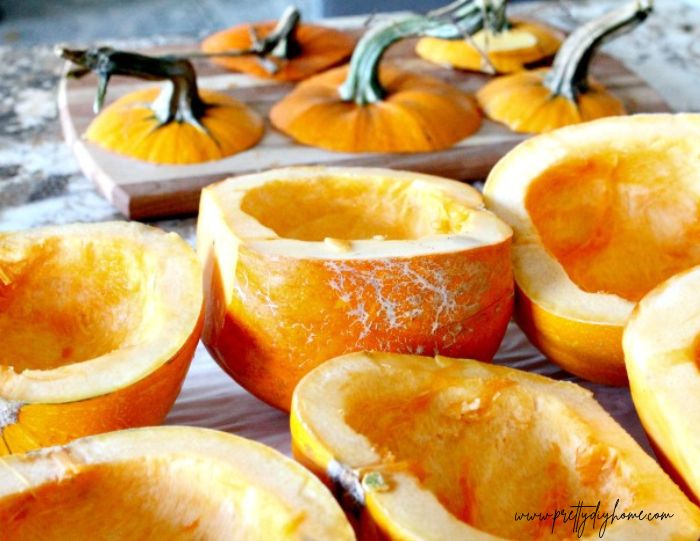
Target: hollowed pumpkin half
(662, 353)
(98, 325)
(507, 50)
(287, 50)
(439, 448)
(602, 213)
(303, 264)
(174, 483)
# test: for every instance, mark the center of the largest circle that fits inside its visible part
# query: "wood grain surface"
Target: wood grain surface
(141, 190)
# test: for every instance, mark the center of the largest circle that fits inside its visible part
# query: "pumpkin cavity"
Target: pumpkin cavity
(68, 300)
(346, 208)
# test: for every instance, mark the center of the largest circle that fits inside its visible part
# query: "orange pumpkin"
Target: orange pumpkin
(176, 124)
(284, 51)
(362, 109)
(499, 46)
(303, 264)
(546, 99)
(443, 449)
(98, 325)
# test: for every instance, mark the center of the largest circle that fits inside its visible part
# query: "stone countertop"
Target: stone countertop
(40, 184)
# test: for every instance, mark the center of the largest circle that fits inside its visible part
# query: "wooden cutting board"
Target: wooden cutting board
(143, 190)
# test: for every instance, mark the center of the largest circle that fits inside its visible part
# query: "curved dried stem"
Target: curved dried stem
(177, 102)
(569, 74)
(454, 21)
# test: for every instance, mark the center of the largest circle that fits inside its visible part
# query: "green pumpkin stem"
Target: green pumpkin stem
(179, 101)
(569, 74)
(454, 21)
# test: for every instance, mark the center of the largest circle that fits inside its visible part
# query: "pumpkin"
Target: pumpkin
(303, 264)
(360, 108)
(662, 353)
(602, 212)
(498, 44)
(545, 99)
(174, 483)
(285, 51)
(98, 325)
(439, 448)
(176, 124)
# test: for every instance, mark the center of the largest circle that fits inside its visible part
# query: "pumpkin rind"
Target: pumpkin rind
(176, 483)
(437, 448)
(662, 354)
(278, 305)
(131, 380)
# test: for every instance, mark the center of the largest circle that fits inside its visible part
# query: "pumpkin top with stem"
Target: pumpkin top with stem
(545, 99)
(356, 108)
(288, 50)
(211, 124)
(500, 46)
(458, 19)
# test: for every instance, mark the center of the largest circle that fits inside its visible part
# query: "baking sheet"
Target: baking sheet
(211, 399)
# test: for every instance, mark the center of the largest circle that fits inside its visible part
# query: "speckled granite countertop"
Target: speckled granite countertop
(40, 184)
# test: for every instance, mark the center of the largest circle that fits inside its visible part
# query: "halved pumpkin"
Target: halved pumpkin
(602, 212)
(303, 264)
(98, 325)
(662, 353)
(439, 448)
(173, 483)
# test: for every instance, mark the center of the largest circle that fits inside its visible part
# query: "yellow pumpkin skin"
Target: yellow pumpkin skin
(321, 48)
(418, 114)
(586, 348)
(129, 127)
(463, 55)
(522, 102)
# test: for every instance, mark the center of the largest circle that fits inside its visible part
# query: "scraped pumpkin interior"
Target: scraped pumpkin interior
(354, 209)
(67, 300)
(124, 500)
(475, 443)
(620, 222)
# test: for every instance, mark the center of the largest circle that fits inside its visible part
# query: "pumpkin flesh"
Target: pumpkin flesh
(450, 449)
(87, 330)
(662, 354)
(604, 212)
(306, 263)
(168, 483)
